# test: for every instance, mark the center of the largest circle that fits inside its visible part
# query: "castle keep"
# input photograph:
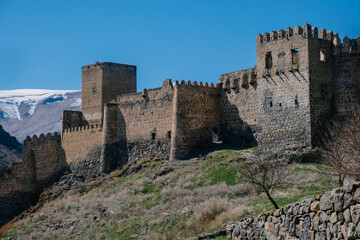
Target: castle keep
(302, 78)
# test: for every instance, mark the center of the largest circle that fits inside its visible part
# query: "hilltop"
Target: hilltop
(158, 199)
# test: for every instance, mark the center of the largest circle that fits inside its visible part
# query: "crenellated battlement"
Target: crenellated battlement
(351, 46)
(42, 138)
(82, 129)
(195, 84)
(305, 31)
(239, 79)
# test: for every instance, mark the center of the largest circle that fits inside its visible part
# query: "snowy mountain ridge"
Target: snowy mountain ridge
(25, 112)
(11, 100)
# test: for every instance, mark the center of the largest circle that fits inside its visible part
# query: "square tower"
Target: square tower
(101, 83)
(283, 89)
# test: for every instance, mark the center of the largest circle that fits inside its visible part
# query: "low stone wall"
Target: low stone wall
(333, 215)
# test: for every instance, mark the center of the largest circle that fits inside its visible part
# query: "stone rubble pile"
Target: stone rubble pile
(333, 215)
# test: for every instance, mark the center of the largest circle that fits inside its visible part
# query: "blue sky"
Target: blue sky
(43, 44)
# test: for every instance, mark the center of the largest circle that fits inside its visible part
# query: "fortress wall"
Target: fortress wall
(43, 162)
(196, 117)
(283, 90)
(16, 191)
(238, 108)
(146, 115)
(321, 85)
(347, 83)
(13, 179)
(346, 74)
(82, 146)
(48, 155)
(72, 119)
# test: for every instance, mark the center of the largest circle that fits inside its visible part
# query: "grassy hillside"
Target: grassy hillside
(163, 200)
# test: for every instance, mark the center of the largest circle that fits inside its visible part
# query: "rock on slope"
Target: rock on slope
(10, 149)
(26, 112)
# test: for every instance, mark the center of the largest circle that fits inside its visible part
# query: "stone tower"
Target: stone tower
(283, 88)
(101, 83)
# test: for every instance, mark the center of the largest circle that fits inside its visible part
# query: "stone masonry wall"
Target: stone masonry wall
(17, 191)
(82, 147)
(333, 215)
(238, 108)
(48, 155)
(196, 117)
(346, 75)
(101, 83)
(146, 115)
(72, 119)
(43, 163)
(283, 90)
(321, 84)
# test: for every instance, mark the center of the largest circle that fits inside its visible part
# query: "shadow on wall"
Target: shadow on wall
(114, 148)
(26, 180)
(234, 131)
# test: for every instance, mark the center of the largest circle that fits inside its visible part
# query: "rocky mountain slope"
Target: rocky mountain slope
(26, 112)
(158, 199)
(10, 149)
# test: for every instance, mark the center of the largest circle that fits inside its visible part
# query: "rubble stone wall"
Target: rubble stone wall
(333, 215)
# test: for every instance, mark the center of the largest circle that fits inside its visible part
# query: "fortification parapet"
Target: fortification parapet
(194, 84)
(281, 34)
(167, 83)
(348, 45)
(297, 30)
(289, 32)
(35, 140)
(238, 79)
(314, 32)
(80, 130)
(306, 31)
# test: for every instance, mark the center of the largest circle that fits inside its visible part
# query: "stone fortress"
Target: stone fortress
(302, 78)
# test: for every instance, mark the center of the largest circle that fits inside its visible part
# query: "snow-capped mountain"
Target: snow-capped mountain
(26, 112)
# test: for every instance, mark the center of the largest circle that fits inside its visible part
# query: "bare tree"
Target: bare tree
(342, 147)
(265, 174)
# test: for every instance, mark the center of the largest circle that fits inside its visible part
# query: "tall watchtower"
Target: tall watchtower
(283, 77)
(101, 83)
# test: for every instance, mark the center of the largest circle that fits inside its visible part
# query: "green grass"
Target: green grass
(151, 188)
(218, 174)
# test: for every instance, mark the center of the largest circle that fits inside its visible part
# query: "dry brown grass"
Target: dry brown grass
(214, 212)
